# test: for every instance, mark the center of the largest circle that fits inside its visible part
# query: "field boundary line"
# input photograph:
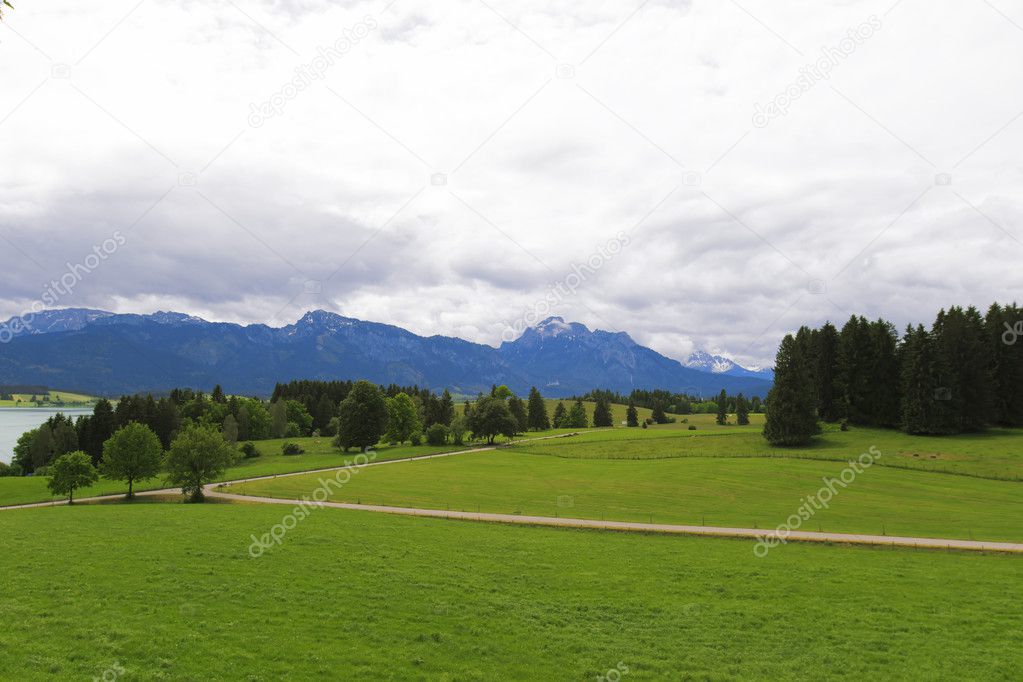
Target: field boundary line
(636, 527)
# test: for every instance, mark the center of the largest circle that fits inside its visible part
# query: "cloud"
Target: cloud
(448, 163)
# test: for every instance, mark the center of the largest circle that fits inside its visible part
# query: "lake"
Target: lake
(15, 421)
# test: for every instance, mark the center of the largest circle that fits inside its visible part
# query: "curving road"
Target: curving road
(211, 490)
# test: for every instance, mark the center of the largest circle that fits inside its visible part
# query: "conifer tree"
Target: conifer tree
(602, 413)
(631, 415)
(961, 361)
(827, 361)
(741, 410)
(722, 401)
(1002, 327)
(518, 411)
(577, 418)
(560, 416)
(791, 417)
(537, 411)
(916, 357)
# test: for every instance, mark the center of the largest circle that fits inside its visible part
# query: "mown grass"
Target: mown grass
(995, 453)
(319, 454)
(169, 592)
(68, 399)
(743, 492)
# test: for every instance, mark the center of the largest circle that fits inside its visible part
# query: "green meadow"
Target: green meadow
(319, 454)
(51, 399)
(996, 453)
(169, 592)
(744, 492)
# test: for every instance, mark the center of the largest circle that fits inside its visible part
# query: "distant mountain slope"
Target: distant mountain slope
(717, 364)
(49, 321)
(112, 354)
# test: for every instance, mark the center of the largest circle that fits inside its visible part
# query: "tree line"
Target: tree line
(666, 402)
(961, 374)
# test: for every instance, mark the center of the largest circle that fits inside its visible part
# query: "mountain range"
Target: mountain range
(110, 354)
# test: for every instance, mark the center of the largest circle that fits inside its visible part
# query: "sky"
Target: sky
(702, 175)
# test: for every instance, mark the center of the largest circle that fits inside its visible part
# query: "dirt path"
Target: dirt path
(624, 526)
(171, 491)
(751, 533)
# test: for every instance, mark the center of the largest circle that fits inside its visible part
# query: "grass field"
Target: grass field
(996, 453)
(66, 398)
(169, 592)
(319, 454)
(745, 492)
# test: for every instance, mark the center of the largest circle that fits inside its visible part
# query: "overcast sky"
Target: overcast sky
(448, 166)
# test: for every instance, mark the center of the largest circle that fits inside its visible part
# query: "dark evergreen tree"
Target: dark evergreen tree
(962, 362)
(854, 371)
(577, 418)
(446, 413)
(166, 422)
(741, 410)
(658, 414)
(602, 416)
(538, 418)
(791, 414)
(722, 402)
(827, 365)
(323, 412)
(918, 382)
(560, 416)
(1003, 328)
(632, 415)
(518, 411)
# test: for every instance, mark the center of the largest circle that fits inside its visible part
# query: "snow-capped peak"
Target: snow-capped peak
(553, 326)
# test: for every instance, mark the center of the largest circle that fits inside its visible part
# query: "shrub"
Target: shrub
(249, 450)
(844, 425)
(416, 438)
(291, 449)
(437, 435)
(692, 427)
(293, 430)
(646, 424)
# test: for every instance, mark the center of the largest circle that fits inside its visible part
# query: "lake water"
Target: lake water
(15, 421)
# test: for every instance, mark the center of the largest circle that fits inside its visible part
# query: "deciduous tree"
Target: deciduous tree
(197, 456)
(133, 453)
(69, 472)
